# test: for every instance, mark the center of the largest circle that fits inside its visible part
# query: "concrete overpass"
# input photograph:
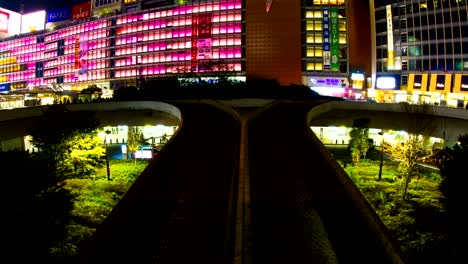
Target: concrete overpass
(225, 189)
(436, 121)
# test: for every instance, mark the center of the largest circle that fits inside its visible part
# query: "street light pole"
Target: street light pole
(107, 158)
(381, 155)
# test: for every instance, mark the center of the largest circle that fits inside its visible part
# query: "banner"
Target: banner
(194, 42)
(326, 39)
(390, 48)
(204, 41)
(81, 54)
(335, 41)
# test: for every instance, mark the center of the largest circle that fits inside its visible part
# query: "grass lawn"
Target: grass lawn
(94, 199)
(419, 223)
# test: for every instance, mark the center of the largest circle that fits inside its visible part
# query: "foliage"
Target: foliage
(135, 138)
(54, 132)
(94, 200)
(410, 153)
(84, 154)
(419, 225)
(358, 143)
(453, 186)
(36, 208)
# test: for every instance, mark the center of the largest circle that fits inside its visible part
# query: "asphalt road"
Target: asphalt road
(180, 209)
(303, 210)
(301, 207)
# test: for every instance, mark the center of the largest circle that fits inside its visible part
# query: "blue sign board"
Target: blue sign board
(4, 87)
(59, 14)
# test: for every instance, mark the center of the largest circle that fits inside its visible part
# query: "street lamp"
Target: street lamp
(381, 154)
(107, 132)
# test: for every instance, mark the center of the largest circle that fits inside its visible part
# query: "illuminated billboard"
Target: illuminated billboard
(101, 7)
(33, 22)
(388, 82)
(81, 11)
(4, 18)
(10, 23)
(58, 15)
(390, 48)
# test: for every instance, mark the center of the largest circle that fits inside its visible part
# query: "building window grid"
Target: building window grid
(81, 28)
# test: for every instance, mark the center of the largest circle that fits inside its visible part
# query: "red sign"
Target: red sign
(81, 11)
(4, 21)
(204, 26)
(194, 40)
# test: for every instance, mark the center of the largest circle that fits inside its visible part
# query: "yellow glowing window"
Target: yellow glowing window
(318, 66)
(310, 38)
(310, 66)
(309, 14)
(342, 26)
(318, 38)
(342, 39)
(423, 5)
(318, 52)
(318, 25)
(309, 26)
(310, 52)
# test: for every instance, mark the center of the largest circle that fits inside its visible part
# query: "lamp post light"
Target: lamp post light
(107, 132)
(381, 154)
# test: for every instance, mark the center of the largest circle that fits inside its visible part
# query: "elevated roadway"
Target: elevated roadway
(441, 122)
(225, 190)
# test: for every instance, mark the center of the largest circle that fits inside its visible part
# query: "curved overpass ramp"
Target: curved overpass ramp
(228, 189)
(441, 122)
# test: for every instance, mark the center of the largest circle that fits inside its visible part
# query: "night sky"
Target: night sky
(33, 5)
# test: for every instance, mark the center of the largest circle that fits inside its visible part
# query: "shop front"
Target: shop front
(328, 86)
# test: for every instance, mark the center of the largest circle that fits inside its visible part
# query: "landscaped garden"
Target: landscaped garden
(418, 222)
(94, 199)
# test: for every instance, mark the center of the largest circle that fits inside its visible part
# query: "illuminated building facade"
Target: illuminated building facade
(115, 43)
(422, 44)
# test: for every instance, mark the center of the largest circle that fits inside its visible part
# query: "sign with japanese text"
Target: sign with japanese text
(335, 49)
(326, 38)
(81, 11)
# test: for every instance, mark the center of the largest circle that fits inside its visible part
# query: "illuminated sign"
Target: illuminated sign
(10, 23)
(4, 18)
(335, 50)
(33, 22)
(417, 81)
(390, 48)
(4, 87)
(328, 82)
(386, 83)
(59, 15)
(81, 11)
(440, 82)
(102, 3)
(464, 83)
(194, 42)
(81, 54)
(326, 39)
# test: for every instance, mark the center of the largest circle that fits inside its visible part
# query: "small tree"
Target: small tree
(135, 139)
(359, 139)
(410, 153)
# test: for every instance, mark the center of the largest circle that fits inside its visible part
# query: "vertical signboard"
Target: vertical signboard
(81, 55)
(326, 39)
(204, 41)
(390, 48)
(194, 61)
(335, 50)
